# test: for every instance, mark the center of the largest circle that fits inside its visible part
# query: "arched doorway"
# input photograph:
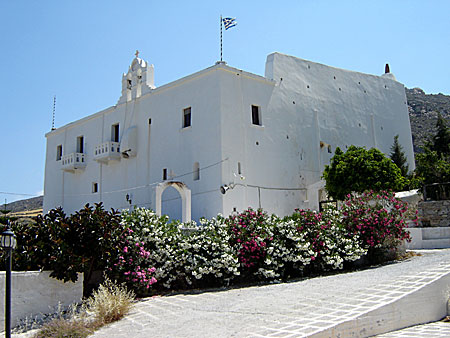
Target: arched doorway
(171, 203)
(185, 194)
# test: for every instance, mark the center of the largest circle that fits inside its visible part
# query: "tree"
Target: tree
(359, 170)
(441, 141)
(432, 167)
(398, 157)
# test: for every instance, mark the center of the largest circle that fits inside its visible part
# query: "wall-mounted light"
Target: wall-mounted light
(224, 188)
(125, 153)
(128, 198)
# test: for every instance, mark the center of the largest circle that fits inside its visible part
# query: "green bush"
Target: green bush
(358, 170)
(66, 245)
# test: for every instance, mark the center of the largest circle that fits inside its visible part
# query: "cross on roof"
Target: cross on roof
(137, 53)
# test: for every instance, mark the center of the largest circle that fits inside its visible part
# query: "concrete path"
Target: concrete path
(356, 304)
(438, 329)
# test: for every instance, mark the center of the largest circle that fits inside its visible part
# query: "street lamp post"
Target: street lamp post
(8, 243)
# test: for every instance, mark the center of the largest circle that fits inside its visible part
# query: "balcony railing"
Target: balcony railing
(73, 161)
(107, 151)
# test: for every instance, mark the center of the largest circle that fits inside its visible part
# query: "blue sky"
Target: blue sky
(78, 50)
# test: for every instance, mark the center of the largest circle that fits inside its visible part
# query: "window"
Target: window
(94, 187)
(164, 174)
(58, 152)
(128, 84)
(187, 117)
(196, 171)
(80, 144)
(256, 115)
(115, 132)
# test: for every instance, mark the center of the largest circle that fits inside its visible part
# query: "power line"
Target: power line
(17, 194)
(146, 185)
(274, 188)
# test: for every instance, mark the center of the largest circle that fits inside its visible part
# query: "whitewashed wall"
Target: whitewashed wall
(161, 144)
(35, 293)
(302, 104)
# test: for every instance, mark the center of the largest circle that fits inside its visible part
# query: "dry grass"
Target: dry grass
(64, 328)
(110, 302)
(26, 213)
(407, 255)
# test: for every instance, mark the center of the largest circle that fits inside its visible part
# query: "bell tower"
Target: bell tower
(138, 80)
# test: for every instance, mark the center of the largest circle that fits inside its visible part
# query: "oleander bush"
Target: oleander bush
(174, 254)
(376, 217)
(331, 243)
(149, 253)
(251, 233)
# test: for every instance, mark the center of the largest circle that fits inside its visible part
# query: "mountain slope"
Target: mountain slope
(423, 111)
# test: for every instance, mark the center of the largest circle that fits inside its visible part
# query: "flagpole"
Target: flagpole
(220, 38)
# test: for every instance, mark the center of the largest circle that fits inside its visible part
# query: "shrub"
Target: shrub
(358, 170)
(174, 256)
(377, 218)
(63, 328)
(150, 244)
(289, 252)
(110, 302)
(66, 245)
(132, 265)
(432, 167)
(251, 232)
(330, 243)
(208, 259)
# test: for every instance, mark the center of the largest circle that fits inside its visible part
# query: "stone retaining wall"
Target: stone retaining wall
(434, 213)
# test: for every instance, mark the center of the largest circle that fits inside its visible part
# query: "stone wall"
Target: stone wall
(434, 213)
(34, 293)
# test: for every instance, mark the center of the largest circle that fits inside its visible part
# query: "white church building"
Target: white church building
(222, 139)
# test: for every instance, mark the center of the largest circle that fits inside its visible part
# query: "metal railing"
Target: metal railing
(436, 191)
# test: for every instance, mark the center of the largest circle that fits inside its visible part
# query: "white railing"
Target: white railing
(73, 161)
(107, 151)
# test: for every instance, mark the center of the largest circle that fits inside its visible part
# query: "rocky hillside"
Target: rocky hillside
(24, 205)
(423, 110)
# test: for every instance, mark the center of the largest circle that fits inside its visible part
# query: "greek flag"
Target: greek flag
(229, 22)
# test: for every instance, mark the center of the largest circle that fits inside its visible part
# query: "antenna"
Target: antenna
(54, 108)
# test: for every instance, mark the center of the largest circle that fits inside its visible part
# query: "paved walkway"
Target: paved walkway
(438, 329)
(296, 309)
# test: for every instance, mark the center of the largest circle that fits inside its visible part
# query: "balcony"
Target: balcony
(107, 151)
(73, 161)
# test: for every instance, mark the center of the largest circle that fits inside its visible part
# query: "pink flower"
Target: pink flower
(125, 249)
